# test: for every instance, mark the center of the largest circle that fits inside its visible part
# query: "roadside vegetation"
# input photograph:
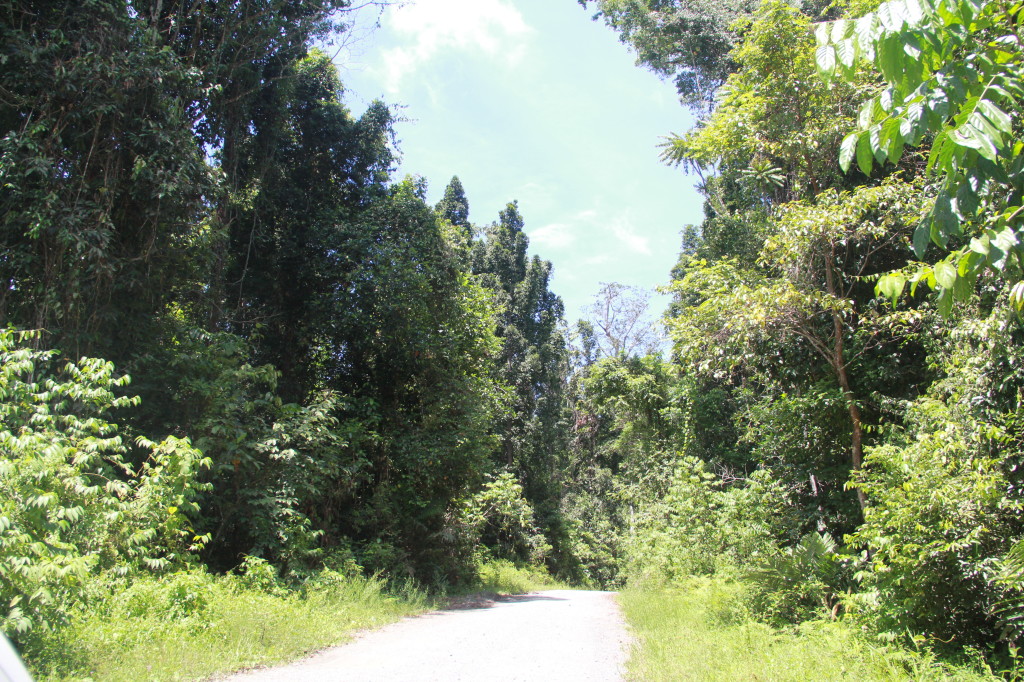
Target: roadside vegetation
(705, 630)
(194, 625)
(837, 435)
(256, 392)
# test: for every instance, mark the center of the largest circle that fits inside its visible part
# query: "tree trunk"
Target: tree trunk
(857, 440)
(839, 367)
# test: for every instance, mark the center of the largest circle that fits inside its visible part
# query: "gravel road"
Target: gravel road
(555, 635)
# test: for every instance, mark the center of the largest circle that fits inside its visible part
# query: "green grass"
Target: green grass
(702, 632)
(193, 625)
(504, 577)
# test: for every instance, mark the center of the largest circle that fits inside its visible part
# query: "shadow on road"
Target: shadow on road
(516, 598)
(487, 600)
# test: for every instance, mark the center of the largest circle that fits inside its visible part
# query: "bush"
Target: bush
(500, 521)
(702, 527)
(591, 544)
(945, 496)
(704, 632)
(504, 577)
(194, 625)
(71, 505)
(801, 583)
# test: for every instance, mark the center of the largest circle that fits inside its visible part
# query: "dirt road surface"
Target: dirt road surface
(556, 635)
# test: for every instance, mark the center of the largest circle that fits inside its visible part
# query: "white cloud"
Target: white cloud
(555, 236)
(490, 27)
(618, 230)
(624, 231)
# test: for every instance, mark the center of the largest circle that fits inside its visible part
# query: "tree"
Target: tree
(103, 177)
(776, 126)
(812, 291)
(454, 207)
(533, 361)
(410, 346)
(71, 504)
(620, 317)
(686, 40)
(314, 169)
(954, 77)
(626, 433)
(946, 501)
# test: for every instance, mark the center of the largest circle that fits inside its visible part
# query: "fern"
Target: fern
(803, 580)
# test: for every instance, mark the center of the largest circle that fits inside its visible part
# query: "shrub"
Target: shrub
(702, 526)
(800, 583)
(71, 505)
(945, 496)
(502, 521)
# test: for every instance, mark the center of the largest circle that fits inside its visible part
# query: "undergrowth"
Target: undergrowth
(504, 577)
(703, 631)
(192, 625)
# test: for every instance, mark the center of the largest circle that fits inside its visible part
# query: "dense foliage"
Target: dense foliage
(841, 440)
(328, 375)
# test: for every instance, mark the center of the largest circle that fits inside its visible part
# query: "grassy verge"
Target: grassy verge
(193, 625)
(702, 632)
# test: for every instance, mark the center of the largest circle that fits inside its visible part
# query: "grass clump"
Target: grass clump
(193, 625)
(504, 577)
(703, 631)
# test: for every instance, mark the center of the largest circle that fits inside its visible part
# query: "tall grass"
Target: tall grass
(504, 577)
(703, 632)
(193, 625)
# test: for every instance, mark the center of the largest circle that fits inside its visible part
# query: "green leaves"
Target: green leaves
(848, 151)
(947, 76)
(825, 57)
(944, 508)
(891, 286)
(70, 505)
(945, 274)
(865, 155)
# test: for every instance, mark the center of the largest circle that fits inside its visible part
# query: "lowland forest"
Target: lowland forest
(251, 380)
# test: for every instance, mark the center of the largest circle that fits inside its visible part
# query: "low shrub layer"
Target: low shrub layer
(193, 625)
(704, 631)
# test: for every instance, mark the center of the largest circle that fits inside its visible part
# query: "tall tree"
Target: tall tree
(410, 344)
(686, 40)
(810, 291)
(103, 179)
(312, 168)
(620, 317)
(534, 357)
(454, 207)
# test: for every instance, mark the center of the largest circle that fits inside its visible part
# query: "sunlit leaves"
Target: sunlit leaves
(70, 504)
(774, 110)
(944, 505)
(954, 73)
(891, 286)
(848, 150)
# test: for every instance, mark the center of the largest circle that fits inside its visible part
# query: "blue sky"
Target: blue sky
(530, 100)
